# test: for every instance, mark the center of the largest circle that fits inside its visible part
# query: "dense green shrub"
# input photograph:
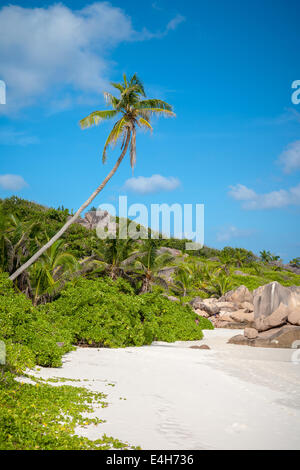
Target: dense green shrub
(107, 313)
(18, 357)
(22, 324)
(99, 313)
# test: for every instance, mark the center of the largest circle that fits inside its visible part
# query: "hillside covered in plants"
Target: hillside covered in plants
(112, 293)
(25, 226)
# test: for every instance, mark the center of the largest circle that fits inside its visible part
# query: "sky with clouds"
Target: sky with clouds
(227, 67)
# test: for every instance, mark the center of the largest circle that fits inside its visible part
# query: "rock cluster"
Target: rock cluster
(234, 310)
(94, 219)
(276, 318)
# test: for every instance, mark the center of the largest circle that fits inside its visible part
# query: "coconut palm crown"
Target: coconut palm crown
(134, 110)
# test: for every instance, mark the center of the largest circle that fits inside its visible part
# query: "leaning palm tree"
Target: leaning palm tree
(135, 111)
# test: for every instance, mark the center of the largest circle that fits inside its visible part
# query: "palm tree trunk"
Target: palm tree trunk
(75, 217)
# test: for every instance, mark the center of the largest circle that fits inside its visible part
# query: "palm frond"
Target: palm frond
(148, 112)
(136, 81)
(143, 122)
(115, 134)
(111, 99)
(96, 117)
(118, 86)
(155, 103)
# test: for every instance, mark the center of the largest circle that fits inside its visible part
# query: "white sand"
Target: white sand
(229, 397)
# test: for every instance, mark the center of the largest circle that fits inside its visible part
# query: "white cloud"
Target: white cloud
(290, 158)
(171, 26)
(42, 48)
(271, 200)
(151, 184)
(176, 21)
(45, 50)
(9, 136)
(227, 233)
(12, 182)
(241, 193)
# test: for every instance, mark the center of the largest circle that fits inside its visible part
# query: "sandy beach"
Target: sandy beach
(169, 396)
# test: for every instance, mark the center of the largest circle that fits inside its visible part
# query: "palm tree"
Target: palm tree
(239, 257)
(54, 266)
(16, 241)
(265, 256)
(136, 111)
(184, 280)
(148, 266)
(268, 257)
(218, 286)
(116, 256)
(226, 262)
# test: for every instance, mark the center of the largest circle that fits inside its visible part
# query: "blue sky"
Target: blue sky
(227, 67)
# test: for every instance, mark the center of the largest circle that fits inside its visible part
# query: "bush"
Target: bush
(18, 357)
(21, 324)
(108, 314)
(102, 313)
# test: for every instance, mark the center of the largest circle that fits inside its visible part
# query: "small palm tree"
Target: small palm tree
(239, 258)
(116, 256)
(184, 280)
(148, 265)
(265, 256)
(49, 273)
(135, 111)
(218, 286)
(16, 240)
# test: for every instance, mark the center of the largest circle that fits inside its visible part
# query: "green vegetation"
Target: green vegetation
(102, 313)
(43, 417)
(101, 293)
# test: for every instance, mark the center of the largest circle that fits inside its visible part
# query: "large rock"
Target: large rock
(238, 296)
(277, 318)
(167, 273)
(294, 317)
(247, 306)
(208, 305)
(94, 220)
(283, 337)
(170, 251)
(202, 313)
(229, 325)
(234, 320)
(241, 316)
(267, 298)
(250, 333)
(226, 306)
